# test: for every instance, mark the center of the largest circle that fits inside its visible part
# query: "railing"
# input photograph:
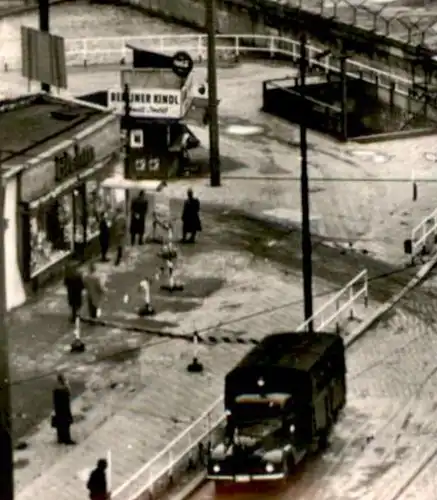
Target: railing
(110, 50)
(423, 236)
(143, 482)
(332, 310)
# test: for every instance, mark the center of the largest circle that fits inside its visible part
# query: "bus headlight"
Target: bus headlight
(292, 428)
(216, 468)
(269, 468)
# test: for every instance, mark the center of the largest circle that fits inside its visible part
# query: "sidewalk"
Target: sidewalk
(133, 394)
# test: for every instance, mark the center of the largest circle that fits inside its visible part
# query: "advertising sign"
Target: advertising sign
(149, 103)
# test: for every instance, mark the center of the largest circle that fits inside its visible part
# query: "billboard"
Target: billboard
(150, 103)
(43, 57)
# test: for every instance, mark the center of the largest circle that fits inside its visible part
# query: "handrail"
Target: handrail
(165, 451)
(173, 459)
(420, 234)
(114, 50)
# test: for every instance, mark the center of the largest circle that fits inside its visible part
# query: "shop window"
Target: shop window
(98, 201)
(51, 233)
(137, 139)
(79, 215)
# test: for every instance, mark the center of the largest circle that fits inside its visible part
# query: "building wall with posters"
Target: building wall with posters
(53, 202)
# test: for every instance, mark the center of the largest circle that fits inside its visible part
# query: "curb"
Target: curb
(384, 308)
(195, 483)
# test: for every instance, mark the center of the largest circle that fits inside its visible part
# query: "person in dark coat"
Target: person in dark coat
(104, 237)
(120, 228)
(97, 485)
(73, 282)
(62, 417)
(139, 207)
(191, 224)
(95, 291)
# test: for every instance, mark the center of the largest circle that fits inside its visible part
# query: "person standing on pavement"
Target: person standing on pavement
(73, 282)
(104, 236)
(95, 291)
(97, 484)
(62, 416)
(120, 227)
(191, 224)
(138, 213)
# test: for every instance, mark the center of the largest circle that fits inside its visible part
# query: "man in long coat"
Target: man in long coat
(191, 224)
(73, 282)
(139, 207)
(62, 417)
(95, 291)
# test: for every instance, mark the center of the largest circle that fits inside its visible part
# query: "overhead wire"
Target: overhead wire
(168, 336)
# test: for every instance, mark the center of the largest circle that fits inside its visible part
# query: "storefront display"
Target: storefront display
(98, 201)
(51, 233)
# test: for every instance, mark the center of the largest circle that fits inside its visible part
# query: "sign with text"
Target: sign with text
(149, 103)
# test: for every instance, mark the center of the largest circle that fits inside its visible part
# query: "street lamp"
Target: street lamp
(214, 152)
(307, 265)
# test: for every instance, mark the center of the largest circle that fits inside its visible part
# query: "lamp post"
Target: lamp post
(6, 450)
(214, 152)
(44, 26)
(307, 270)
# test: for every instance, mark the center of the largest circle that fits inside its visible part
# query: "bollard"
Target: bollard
(168, 250)
(6, 67)
(351, 303)
(172, 285)
(195, 366)
(147, 309)
(337, 322)
(77, 346)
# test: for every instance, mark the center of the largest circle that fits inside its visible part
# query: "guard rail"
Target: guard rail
(114, 50)
(144, 482)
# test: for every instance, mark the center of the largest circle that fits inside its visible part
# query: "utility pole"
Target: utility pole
(6, 450)
(44, 26)
(344, 98)
(214, 152)
(307, 265)
(127, 126)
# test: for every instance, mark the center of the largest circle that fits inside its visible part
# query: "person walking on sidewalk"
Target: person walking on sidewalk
(120, 227)
(138, 213)
(190, 218)
(73, 282)
(104, 236)
(62, 417)
(95, 291)
(97, 484)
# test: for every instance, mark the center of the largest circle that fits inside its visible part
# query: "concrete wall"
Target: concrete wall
(192, 13)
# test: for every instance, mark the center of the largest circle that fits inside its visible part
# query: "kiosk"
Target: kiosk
(160, 95)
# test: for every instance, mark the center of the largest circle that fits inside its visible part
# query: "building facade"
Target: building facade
(53, 201)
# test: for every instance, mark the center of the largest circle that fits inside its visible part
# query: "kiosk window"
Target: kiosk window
(137, 139)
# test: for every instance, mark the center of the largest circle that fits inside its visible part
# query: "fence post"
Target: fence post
(351, 302)
(337, 322)
(366, 290)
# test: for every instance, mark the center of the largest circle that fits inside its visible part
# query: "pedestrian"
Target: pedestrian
(62, 417)
(138, 213)
(97, 484)
(120, 227)
(73, 282)
(95, 291)
(191, 224)
(104, 236)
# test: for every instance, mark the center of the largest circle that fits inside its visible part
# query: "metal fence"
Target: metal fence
(145, 481)
(423, 236)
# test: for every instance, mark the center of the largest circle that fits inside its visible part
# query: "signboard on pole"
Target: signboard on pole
(43, 57)
(150, 103)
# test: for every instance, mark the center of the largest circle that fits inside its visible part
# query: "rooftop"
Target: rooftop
(34, 123)
(404, 20)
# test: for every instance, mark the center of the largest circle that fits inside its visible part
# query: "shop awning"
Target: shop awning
(120, 182)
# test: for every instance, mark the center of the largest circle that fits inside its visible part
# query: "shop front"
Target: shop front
(62, 198)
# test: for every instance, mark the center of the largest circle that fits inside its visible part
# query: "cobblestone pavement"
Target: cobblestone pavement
(123, 402)
(355, 204)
